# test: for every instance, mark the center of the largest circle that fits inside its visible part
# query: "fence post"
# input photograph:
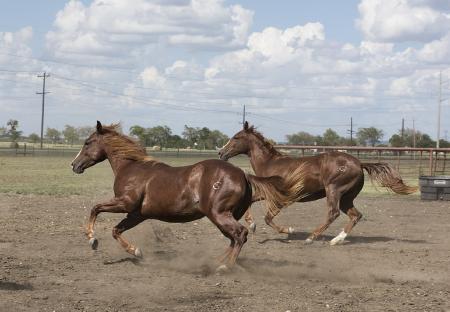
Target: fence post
(431, 162)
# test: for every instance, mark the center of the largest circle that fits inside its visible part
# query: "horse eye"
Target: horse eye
(86, 143)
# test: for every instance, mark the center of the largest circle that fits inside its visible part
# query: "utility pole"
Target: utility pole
(351, 131)
(439, 110)
(243, 116)
(44, 76)
(414, 138)
(403, 130)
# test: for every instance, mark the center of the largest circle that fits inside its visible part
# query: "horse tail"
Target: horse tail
(278, 192)
(386, 176)
(270, 189)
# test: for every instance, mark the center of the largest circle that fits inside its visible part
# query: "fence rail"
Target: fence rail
(409, 161)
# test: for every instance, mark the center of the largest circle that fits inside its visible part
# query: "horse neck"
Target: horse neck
(117, 163)
(260, 157)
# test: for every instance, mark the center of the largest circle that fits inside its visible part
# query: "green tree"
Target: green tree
(191, 135)
(34, 138)
(177, 141)
(422, 139)
(159, 135)
(140, 133)
(444, 143)
(330, 137)
(70, 134)
(53, 135)
(217, 139)
(369, 136)
(12, 132)
(301, 138)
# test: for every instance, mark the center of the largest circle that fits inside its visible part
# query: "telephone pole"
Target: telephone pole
(351, 131)
(403, 130)
(44, 76)
(243, 116)
(440, 100)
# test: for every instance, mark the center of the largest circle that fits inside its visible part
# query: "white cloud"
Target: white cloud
(16, 43)
(404, 20)
(115, 28)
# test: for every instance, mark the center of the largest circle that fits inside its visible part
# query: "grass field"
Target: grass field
(53, 176)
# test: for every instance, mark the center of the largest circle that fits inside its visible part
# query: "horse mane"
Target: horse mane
(123, 146)
(264, 142)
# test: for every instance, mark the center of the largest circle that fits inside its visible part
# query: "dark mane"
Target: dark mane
(264, 142)
(123, 146)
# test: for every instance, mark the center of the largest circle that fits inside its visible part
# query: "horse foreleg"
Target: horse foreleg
(115, 205)
(129, 222)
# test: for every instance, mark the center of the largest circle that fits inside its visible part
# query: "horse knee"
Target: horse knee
(334, 214)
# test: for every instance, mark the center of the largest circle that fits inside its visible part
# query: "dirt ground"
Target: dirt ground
(397, 259)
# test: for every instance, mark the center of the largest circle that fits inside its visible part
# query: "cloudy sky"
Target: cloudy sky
(296, 65)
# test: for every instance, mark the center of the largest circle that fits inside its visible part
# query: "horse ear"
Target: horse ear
(246, 125)
(99, 127)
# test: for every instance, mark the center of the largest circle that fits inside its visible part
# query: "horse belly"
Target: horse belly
(172, 211)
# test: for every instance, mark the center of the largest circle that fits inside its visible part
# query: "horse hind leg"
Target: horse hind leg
(279, 228)
(347, 207)
(333, 197)
(354, 216)
(131, 220)
(236, 232)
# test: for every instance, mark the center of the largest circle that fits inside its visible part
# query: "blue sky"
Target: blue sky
(299, 66)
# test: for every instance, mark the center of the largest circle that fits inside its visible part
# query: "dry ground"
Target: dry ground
(397, 259)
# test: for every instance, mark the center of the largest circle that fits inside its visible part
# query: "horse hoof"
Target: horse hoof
(252, 227)
(137, 253)
(222, 269)
(94, 243)
(290, 230)
(338, 240)
(308, 241)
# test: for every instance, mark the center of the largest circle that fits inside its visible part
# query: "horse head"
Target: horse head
(92, 152)
(240, 143)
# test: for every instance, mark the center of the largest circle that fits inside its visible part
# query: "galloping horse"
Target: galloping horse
(335, 175)
(148, 189)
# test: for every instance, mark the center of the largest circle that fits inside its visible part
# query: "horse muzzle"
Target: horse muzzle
(78, 168)
(223, 155)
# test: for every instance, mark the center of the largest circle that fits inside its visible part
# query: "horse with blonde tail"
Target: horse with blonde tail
(335, 175)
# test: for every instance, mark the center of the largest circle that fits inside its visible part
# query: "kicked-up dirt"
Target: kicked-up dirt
(396, 259)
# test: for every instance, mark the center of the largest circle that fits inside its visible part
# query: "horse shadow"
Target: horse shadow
(4, 285)
(135, 261)
(351, 240)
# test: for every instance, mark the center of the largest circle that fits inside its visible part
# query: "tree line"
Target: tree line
(366, 137)
(205, 138)
(161, 136)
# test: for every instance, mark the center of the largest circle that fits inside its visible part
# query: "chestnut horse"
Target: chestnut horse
(335, 175)
(148, 189)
